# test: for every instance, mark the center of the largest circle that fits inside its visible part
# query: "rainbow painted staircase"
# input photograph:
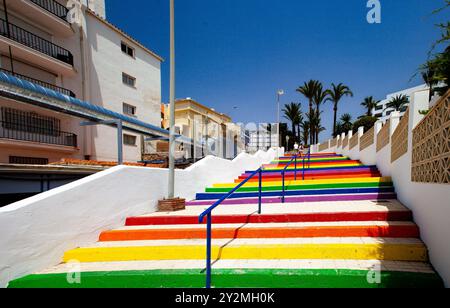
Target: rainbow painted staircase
(340, 227)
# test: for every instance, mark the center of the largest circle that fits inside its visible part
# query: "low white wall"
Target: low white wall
(430, 203)
(35, 232)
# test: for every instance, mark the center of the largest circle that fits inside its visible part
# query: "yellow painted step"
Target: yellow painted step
(389, 252)
(309, 182)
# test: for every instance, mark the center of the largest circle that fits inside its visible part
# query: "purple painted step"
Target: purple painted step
(355, 197)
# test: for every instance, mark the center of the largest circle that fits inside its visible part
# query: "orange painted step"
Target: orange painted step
(390, 231)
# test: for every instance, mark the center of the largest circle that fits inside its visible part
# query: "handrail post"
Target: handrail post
(282, 194)
(295, 170)
(208, 250)
(260, 192)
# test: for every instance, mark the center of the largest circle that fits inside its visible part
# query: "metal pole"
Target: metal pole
(119, 143)
(260, 192)
(278, 121)
(171, 189)
(282, 195)
(208, 251)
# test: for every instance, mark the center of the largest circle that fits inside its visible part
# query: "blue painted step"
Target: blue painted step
(346, 191)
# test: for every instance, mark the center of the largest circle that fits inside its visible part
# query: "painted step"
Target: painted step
(313, 167)
(301, 182)
(300, 199)
(303, 187)
(283, 213)
(313, 192)
(238, 274)
(290, 176)
(318, 163)
(269, 230)
(286, 160)
(324, 170)
(261, 249)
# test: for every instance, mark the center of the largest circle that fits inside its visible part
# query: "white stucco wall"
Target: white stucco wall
(37, 231)
(430, 203)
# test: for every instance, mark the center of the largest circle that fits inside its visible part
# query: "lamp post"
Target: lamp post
(171, 190)
(279, 94)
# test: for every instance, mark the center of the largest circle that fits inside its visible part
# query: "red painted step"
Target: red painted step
(273, 218)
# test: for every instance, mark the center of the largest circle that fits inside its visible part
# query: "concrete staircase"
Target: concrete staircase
(341, 227)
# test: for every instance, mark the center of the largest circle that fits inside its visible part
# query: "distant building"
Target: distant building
(93, 61)
(213, 132)
(382, 112)
(263, 138)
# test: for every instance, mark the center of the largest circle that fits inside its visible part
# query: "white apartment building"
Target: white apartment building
(91, 60)
(262, 139)
(382, 112)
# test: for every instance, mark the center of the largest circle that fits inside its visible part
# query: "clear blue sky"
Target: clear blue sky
(239, 52)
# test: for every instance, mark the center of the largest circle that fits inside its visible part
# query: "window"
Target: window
(128, 80)
(129, 140)
(129, 109)
(379, 107)
(127, 49)
(17, 160)
(29, 122)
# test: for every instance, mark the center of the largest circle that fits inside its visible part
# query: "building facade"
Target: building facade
(383, 112)
(263, 138)
(211, 132)
(87, 58)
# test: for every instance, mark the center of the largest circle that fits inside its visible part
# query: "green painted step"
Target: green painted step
(273, 278)
(304, 187)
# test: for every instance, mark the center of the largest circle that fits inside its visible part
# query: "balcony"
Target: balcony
(38, 134)
(48, 13)
(35, 49)
(53, 7)
(40, 83)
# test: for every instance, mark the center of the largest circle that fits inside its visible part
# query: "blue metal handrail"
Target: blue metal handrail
(309, 162)
(294, 159)
(208, 214)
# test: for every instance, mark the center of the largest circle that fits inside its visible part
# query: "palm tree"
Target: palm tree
(369, 103)
(398, 102)
(308, 90)
(320, 96)
(346, 122)
(292, 112)
(336, 94)
(305, 130)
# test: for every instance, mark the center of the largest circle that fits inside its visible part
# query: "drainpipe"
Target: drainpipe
(8, 31)
(87, 131)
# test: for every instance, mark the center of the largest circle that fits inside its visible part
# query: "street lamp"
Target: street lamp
(279, 94)
(171, 193)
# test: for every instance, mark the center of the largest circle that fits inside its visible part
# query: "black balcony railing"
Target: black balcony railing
(53, 7)
(13, 131)
(35, 42)
(41, 83)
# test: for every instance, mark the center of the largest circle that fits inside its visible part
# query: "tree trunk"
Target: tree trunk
(311, 130)
(335, 120)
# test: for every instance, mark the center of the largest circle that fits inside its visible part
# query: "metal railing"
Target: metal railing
(208, 215)
(14, 131)
(283, 175)
(40, 83)
(35, 42)
(306, 157)
(53, 7)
